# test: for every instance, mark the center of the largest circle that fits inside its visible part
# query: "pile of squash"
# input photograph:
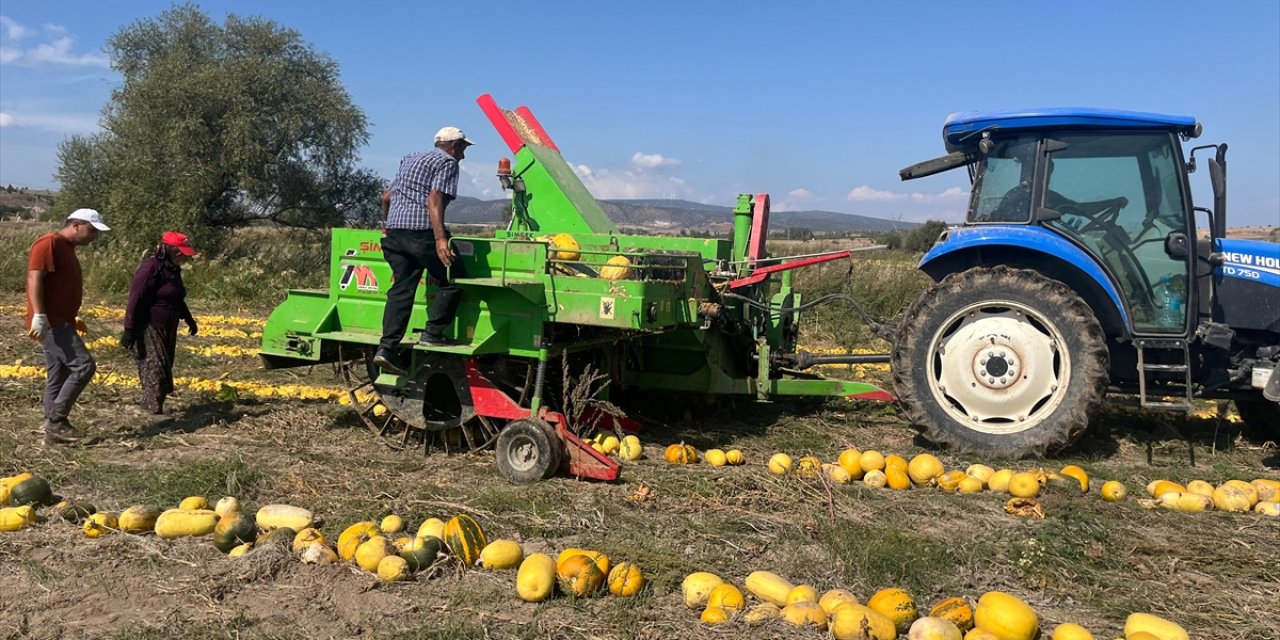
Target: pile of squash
(576, 573)
(888, 613)
(627, 448)
(874, 469)
(1260, 496)
(686, 454)
(382, 548)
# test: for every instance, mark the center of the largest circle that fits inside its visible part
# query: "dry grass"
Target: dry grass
(1088, 561)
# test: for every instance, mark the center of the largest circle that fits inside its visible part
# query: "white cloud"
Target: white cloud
(865, 193)
(631, 184)
(57, 122)
(12, 30)
(652, 161)
(800, 193)
(57, 50)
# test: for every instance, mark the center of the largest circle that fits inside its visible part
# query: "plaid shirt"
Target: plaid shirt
(419, 174)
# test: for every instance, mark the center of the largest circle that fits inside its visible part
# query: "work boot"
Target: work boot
(59, 432)
(434, 340)
(389, 362)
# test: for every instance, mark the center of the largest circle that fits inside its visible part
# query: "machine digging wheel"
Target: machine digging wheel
(428, 410)
(358, 373)
(528, 450)
(1000, 359)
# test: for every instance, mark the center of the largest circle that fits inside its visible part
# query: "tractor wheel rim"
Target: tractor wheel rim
(998, 367)
(523, 454)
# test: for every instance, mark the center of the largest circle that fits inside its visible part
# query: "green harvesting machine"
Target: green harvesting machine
(560, 310)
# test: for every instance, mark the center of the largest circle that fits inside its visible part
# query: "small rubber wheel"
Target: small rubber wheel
(528, 451)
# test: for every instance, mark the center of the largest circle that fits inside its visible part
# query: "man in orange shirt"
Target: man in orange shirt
(54, 292)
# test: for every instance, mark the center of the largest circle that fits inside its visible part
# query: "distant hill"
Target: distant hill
(660, 215)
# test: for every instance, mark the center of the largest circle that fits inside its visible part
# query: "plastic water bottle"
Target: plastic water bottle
(1168, 304)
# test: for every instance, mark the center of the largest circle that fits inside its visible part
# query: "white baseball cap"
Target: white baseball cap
(449, 134)
(91, 216)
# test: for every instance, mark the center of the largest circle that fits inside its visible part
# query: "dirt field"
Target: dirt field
(1087, 561)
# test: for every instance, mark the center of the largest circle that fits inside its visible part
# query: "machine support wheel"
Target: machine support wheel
(528, 450)
(1000, 360)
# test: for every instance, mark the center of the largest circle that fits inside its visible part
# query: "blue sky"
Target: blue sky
(817, 103)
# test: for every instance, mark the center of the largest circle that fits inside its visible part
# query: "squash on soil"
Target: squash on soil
(371, 552)
(697, 588)
(184, 523)
(317, 553)
(306, 537)
(536, 578)
(713, 616)
(233, 530)
(579, 576)
(857, 622)
(139, 519)
(1070, 631)
(762, 614)
(1006, 616)
(393, 569)
(33, 491)
(276, 516)
(73, 510)
(768, 586)
(727, 597)
(625, 580)
(100, 524)
(956, 610)
(421, 553)
(465, 539)
(194, 503)
(834, 598)
(7, 485)
(501, 554)
(1154, 625)
(17, 518)
(931, 628)
(780, 464)
(805, 614)
(896, 605)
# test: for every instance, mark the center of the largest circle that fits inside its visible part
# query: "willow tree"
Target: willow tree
(217, 126)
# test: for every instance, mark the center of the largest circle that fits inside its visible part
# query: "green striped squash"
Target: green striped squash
(465, 538)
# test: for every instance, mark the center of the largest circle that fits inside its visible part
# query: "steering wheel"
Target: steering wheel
(1113, 237)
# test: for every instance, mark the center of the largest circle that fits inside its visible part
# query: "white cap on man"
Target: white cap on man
(449, 134)
(91, 216)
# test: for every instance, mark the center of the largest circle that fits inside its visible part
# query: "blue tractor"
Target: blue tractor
(1083, 268)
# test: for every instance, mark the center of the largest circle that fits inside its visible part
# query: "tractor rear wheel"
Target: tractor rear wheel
(1261, 418)
(528, 450)
(1000, 360)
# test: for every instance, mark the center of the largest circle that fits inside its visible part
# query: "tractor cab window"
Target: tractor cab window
(1119, 196)
(1002, 182)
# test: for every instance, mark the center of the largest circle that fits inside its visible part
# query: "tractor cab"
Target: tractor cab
(1079, 271)
(1110, 184)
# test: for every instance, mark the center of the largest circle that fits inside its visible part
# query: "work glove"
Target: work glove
(191, 327)
(81, 327)
(39, 327)
(127, 339)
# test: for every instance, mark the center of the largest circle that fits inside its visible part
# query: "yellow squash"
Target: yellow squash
(536, 578)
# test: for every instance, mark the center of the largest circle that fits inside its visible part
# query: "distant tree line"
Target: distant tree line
(919, 239)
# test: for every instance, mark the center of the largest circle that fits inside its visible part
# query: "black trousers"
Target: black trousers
(409, 252)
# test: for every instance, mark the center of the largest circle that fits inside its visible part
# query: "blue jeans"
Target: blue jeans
(409, 252)
(70, 368)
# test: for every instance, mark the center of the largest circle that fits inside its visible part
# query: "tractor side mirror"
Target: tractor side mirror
(1176, 245)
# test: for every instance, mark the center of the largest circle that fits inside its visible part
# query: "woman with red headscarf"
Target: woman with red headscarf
(157, 301)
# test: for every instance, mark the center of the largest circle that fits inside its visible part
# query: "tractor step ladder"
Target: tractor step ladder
(1176, 345)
